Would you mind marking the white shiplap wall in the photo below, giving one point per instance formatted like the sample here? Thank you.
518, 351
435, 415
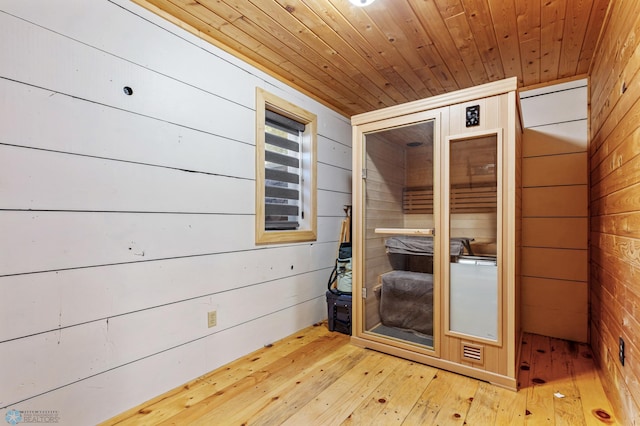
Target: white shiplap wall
125, 219
555, 211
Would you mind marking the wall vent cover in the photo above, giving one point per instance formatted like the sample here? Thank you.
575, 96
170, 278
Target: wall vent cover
473, 353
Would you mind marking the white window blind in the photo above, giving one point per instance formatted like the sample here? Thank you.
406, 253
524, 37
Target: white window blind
283, 172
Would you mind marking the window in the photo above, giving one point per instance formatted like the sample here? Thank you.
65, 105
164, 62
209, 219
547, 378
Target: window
285, 171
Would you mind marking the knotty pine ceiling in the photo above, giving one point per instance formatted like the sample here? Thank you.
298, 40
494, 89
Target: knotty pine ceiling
356, 60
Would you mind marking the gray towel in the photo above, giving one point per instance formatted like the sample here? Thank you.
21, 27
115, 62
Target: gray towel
422, 246
406, 301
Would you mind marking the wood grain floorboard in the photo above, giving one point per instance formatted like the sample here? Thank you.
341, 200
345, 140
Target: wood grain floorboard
316, 377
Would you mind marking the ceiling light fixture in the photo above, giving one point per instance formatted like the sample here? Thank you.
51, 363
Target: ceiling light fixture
361, 3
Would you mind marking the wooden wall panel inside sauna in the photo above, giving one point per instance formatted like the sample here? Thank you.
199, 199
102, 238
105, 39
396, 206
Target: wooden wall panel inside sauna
385, 165
473, 183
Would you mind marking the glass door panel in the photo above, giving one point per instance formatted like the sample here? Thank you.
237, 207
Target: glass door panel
398, 273
474, 180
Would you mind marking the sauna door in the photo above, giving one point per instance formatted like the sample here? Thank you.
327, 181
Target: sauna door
399, 281
473, 179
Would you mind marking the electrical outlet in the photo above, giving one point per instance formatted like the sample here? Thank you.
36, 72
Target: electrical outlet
621, 351
212, 319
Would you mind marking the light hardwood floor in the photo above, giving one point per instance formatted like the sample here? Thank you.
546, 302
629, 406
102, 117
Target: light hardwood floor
316, 377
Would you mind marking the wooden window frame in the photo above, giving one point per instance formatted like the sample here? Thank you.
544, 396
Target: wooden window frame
307, 231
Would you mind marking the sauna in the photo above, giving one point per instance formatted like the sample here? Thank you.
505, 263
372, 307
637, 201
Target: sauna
437, 231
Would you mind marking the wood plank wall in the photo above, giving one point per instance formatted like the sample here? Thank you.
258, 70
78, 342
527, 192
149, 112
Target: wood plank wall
125, 219
555, 211
614, 154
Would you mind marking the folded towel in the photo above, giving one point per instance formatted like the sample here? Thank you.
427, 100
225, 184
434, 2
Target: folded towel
406, 301
422, 246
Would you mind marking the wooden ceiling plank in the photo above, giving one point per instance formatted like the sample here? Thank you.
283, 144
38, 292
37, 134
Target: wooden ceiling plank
358, 67
426, 74
449, 8
503, 15
575, 26
479, 16
435, 68
528, 21
346, 29
463, 38
368, 37
530, 51
370, 82
343, 89
392, 21
596, 20
201, 24
255, 22
552, 18
439, 71
453, 13
346, 24
451, 71
398, 77
438, 64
